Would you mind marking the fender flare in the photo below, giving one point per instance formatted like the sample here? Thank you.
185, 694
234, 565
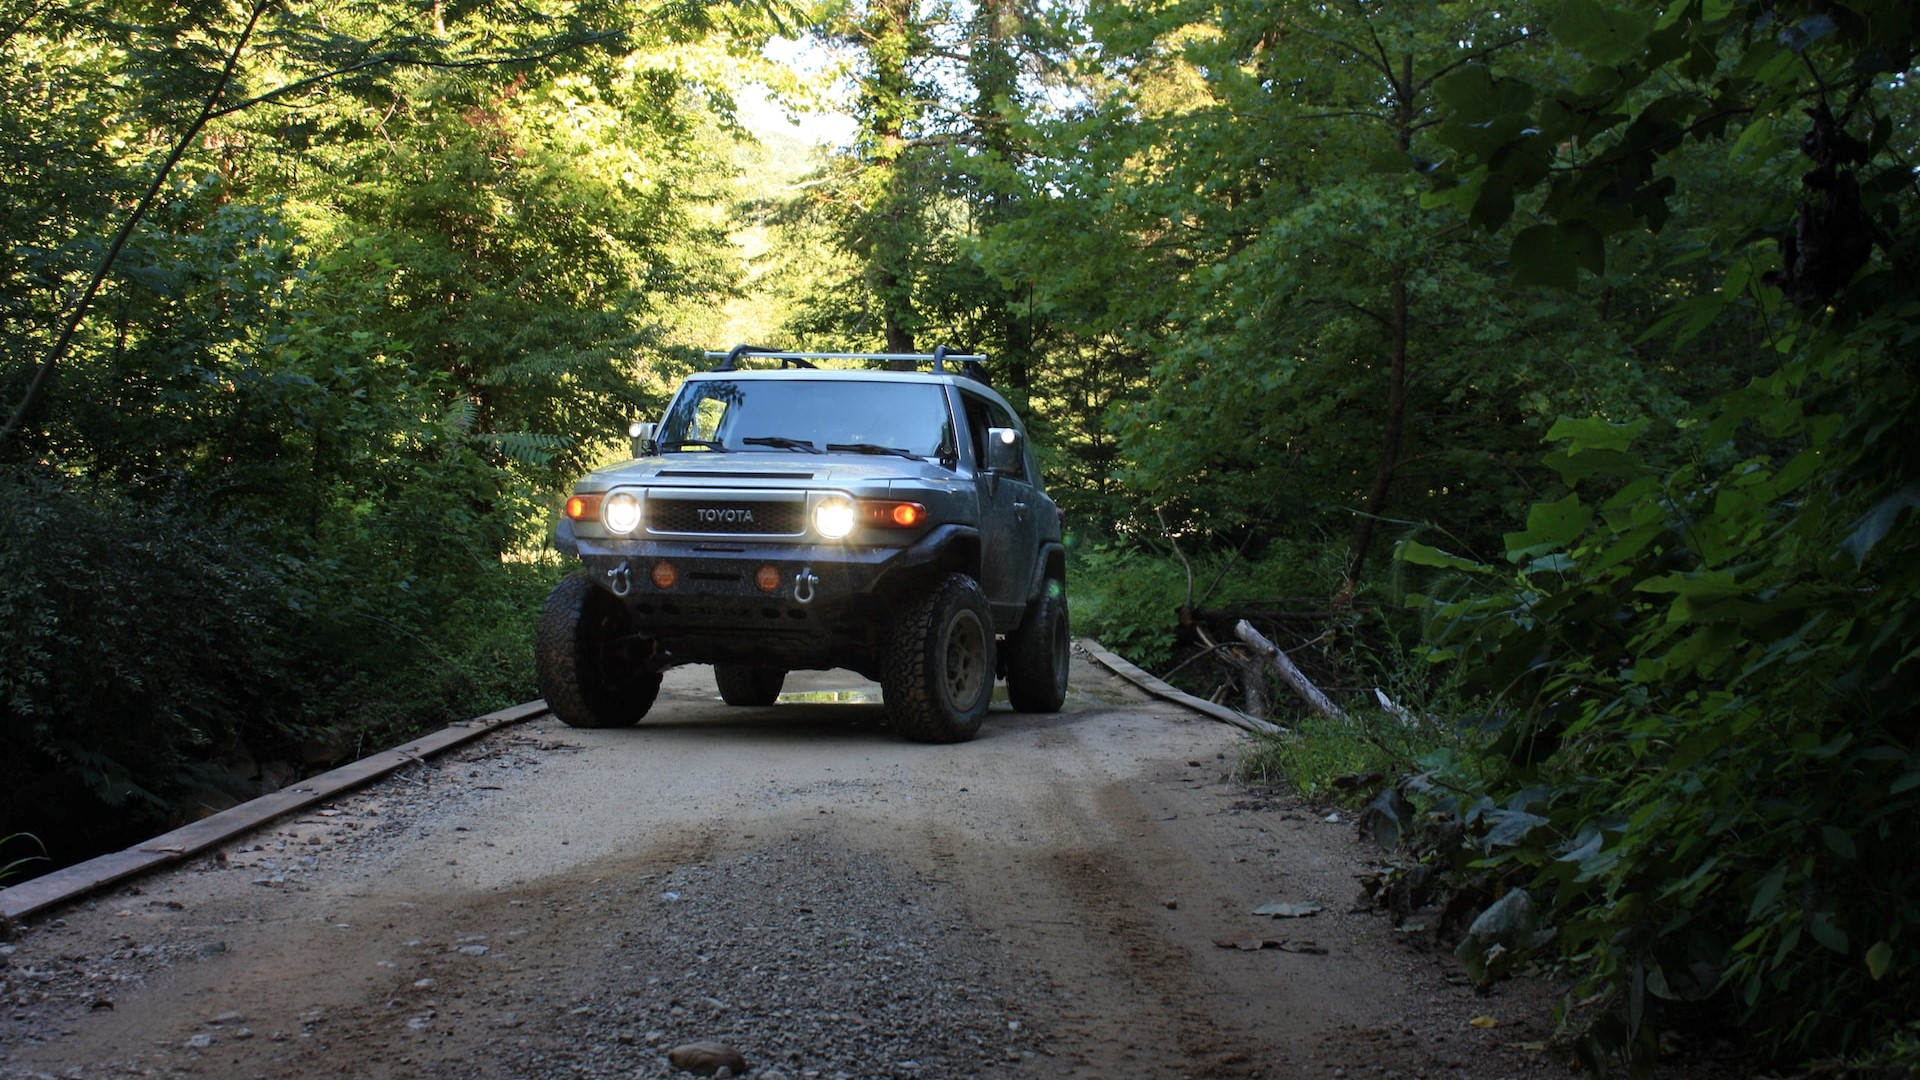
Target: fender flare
1052, 563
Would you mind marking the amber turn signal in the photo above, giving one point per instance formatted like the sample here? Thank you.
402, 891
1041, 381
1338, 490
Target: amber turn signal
894, 515
584, 508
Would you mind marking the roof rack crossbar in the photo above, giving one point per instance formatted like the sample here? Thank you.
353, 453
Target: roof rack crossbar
730, 359
969, 365
736, 353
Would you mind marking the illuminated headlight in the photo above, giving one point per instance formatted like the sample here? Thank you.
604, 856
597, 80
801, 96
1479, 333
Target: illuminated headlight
833, 518
621, 512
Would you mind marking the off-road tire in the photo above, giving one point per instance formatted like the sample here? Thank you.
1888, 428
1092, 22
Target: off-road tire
748, 687
937, 676
591, 667
1038, 654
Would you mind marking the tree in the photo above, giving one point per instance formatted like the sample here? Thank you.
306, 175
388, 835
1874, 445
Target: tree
309, 308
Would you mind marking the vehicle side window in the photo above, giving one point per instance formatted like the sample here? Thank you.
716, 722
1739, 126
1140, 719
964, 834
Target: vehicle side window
977, 424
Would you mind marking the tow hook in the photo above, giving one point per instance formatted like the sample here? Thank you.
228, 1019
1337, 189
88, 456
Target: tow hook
803, 583
620, 579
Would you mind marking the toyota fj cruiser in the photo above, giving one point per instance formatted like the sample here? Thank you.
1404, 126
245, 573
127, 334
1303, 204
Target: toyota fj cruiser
803, 516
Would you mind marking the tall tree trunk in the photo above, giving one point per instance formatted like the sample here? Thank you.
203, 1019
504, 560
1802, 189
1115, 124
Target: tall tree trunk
993, 69
889, 107
1393, 427
1399, 320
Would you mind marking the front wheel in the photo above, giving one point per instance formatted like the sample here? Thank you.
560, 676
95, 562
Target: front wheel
751, 687
1038, 654
591, 664
937, 679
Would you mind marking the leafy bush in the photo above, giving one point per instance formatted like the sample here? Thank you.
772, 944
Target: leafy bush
143, 644
1129, 599
1702, 674
135, 642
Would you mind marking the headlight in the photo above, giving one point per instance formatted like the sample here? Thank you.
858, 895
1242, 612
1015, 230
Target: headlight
621, 512
833, 518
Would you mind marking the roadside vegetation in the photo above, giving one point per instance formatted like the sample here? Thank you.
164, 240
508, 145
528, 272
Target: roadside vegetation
1542, 369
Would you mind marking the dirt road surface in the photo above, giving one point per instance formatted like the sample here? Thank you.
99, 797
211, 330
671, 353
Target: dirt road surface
794, 881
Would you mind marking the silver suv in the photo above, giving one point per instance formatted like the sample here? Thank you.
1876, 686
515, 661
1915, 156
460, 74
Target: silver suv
796, 516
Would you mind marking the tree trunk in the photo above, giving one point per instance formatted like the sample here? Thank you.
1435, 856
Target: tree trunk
889, 107
1399, 320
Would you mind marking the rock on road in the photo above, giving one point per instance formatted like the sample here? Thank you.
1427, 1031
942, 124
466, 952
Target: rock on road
794, 882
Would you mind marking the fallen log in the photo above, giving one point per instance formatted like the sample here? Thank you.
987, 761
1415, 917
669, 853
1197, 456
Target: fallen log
1302, 686
1160, 689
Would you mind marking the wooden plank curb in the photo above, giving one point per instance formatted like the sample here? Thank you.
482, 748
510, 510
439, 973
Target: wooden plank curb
70, 883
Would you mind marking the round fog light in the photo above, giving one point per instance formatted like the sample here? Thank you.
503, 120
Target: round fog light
665, 575
767, 579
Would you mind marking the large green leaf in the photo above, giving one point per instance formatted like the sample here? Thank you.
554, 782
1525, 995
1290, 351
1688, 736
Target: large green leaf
1602, 32
1474, 93
1550, 526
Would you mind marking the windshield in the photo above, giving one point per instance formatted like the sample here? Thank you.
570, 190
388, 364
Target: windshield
800, 416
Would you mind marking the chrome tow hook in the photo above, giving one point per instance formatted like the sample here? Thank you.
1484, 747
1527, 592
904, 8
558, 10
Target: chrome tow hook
620, 580
803, 583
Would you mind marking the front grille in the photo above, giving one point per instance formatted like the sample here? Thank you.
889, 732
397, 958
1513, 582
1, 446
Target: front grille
718, 515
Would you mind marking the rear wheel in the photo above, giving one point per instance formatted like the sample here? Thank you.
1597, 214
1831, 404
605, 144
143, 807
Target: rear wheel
748, 686
1038, 654
591, 664
937, 680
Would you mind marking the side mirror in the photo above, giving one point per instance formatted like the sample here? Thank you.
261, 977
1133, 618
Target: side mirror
1006, 452
642, 436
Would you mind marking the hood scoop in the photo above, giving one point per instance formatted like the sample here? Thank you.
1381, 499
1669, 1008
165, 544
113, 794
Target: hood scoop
712, 474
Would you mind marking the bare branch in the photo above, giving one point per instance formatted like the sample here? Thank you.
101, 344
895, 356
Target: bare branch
78, 314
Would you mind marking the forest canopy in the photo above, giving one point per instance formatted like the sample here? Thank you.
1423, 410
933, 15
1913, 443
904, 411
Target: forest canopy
1551, 363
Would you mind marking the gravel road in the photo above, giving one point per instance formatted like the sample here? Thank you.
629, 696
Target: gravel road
795, 882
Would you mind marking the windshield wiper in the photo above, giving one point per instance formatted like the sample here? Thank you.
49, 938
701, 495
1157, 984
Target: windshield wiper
871, 448
704, 444
781, 442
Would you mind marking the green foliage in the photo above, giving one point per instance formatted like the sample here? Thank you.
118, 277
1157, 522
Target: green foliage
1130, 599
133, 643
1700, 658
9, 869
1712, 691
1322, 757
308, 317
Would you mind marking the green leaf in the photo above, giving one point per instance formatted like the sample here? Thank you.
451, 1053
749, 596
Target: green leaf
1549, 526
1475, 93
1826, 932
1583, 244
1838, 840
1879, 960
1699, 585
1595, 433
1601, 32
1767, 892
1536, 259
1418, 554
1494, 205
1876, 523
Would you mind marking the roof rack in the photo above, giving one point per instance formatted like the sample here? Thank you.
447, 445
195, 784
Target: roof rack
971, 365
